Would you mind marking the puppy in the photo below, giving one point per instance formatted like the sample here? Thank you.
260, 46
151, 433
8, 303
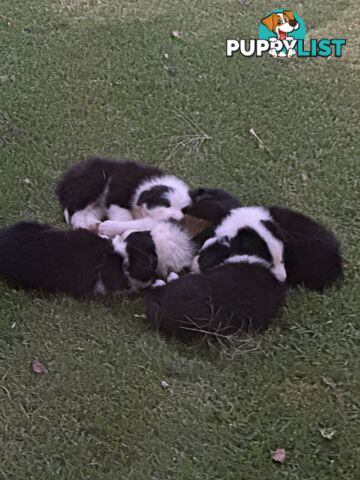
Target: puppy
232, 294
37, 256
311, 251
119, 190
282, 24
175, 249
244, 231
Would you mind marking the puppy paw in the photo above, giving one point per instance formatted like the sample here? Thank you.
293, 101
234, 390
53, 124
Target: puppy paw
158, 283
109, 228
119, 245
171, 277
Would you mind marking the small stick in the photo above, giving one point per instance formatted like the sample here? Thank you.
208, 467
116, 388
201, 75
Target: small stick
261, 143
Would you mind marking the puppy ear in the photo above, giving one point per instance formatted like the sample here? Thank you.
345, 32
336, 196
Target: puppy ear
144, 197
154, 196
196, 194
142, 257
270, 22
213, 256
289, 14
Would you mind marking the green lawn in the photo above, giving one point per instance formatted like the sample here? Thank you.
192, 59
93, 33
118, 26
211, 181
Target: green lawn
105, 76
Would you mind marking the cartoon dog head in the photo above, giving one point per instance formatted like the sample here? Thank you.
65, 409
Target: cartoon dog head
281, 23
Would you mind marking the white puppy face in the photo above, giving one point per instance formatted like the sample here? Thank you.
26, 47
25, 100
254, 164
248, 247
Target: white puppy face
162, 198
281, 23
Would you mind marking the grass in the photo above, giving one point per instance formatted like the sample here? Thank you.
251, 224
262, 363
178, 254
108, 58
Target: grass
85, 76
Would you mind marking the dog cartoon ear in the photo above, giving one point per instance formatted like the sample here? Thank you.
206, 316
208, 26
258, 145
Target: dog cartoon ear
270, 22
289, 14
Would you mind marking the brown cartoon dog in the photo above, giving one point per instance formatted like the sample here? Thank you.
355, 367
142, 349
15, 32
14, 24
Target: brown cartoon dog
281, 24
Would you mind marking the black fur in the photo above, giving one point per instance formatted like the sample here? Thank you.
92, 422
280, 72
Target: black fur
211, 204
229, 299
214, 255
312, 252
142, 257
248, 242
37, 256
245, 242
155, 197
85, 182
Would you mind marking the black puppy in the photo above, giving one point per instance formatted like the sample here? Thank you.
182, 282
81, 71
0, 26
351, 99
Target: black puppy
79, 263
212, 205
312, 252
232, 298
232, 293
119, 190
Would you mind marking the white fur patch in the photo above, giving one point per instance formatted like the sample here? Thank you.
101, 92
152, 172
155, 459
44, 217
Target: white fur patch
174, 248
253, 217
178, 197
209, 242
119, 246
111, 228
247, 259
99, 287
172, 277
88, 218
158, 283
91, 215
67, 216
242, 217
195, 267
118, 214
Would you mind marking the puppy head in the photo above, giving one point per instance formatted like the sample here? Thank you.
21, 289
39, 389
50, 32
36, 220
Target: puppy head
281, 23
161, 198
212, 254
141, 259
211, 204
247, 231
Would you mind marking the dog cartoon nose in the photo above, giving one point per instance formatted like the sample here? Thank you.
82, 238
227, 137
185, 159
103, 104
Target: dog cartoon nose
293, 23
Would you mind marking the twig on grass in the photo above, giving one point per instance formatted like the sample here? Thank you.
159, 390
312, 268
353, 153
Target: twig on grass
261, 143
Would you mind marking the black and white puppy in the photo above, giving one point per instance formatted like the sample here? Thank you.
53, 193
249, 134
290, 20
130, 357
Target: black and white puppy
80, 263
119, 190
312, 252
232, 293
244, 231
77, 262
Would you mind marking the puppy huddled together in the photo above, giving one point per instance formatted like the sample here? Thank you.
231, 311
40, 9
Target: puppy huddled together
129, 235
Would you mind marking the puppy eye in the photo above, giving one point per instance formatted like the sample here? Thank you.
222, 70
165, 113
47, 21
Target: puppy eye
279, 21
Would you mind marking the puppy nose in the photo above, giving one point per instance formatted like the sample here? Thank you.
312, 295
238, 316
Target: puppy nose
293, 23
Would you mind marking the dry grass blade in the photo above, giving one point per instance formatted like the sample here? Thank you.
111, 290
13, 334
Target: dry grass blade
190, 142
